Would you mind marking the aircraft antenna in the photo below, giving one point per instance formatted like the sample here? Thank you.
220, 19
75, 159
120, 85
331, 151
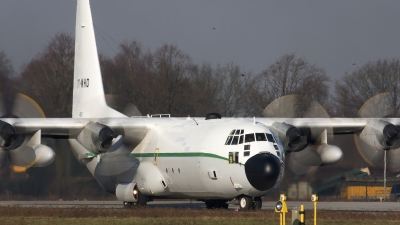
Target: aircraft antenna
195, 121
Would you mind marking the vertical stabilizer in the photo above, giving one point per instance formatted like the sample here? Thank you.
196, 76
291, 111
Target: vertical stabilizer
88, 95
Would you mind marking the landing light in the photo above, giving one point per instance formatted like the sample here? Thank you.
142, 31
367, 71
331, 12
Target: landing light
314, 198
279, 206
135, 192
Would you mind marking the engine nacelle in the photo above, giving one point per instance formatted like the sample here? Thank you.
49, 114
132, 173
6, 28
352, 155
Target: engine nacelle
291, 137
127, 192
330, 154
96, 137
379, 134
7, 134
32, 156
312, 157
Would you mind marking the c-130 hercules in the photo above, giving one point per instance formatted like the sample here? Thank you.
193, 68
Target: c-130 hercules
212, 159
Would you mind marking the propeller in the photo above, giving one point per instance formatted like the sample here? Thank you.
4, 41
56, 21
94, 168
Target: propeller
129, 110
379, 106
292, 106
15, 105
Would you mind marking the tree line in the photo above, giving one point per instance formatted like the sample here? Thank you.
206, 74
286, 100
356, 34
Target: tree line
167, 81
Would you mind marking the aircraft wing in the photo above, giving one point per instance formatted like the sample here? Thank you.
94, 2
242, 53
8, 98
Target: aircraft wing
61, 127
338, 125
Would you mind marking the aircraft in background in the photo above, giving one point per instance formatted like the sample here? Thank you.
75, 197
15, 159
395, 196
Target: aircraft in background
212, 159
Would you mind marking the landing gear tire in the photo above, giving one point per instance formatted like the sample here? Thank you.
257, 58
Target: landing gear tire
257, 203
127, 205
216, 204
245, 203
142, 200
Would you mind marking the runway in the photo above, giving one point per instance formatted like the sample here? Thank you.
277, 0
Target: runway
328, 206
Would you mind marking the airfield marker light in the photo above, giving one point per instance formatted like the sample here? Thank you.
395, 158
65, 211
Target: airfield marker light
302, 215
314, 198
281, 208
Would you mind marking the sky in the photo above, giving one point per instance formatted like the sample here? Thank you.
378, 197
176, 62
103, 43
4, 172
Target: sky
338, 36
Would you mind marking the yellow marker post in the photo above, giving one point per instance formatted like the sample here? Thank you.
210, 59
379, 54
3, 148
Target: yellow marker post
314, 198
281, 208
302, 215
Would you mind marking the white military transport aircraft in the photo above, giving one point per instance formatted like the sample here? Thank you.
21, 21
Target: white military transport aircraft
212, 159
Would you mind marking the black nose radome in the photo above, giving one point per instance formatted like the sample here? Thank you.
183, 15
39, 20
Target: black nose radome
262, 171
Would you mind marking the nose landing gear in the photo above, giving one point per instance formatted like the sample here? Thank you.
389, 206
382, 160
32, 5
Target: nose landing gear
246, 203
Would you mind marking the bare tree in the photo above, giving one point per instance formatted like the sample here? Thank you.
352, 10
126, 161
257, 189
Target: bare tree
355, 88
48, 77
170, 89
5, 69
291, 75
7, 87
232, 88
205, 90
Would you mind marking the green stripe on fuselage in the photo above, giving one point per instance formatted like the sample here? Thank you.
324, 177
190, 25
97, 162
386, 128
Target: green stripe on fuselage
178, 154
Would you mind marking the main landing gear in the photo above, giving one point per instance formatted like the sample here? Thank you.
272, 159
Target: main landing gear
245, 203
216, 204
141, 202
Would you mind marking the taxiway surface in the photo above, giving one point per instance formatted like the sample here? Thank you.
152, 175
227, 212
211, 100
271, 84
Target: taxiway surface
334, 206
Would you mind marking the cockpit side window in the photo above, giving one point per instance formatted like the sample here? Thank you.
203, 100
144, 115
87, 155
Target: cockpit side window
249, 138
241, 139
270, 138
228, 140
260, 137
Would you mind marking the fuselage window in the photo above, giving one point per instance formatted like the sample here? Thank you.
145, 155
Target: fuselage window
260, 137
270, 138
249, 138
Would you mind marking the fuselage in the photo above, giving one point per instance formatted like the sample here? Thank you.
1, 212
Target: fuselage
197, 158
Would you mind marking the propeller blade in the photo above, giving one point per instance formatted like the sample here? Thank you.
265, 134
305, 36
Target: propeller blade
379, 106
129, 110
291, 106
16, 105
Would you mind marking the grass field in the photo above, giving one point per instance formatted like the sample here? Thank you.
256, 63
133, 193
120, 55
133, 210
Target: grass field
108, 216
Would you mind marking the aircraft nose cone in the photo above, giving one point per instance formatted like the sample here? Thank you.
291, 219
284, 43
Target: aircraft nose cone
262, 171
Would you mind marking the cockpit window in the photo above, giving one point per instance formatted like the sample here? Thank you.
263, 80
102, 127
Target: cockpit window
228, 140
234, 136
270, 138
241, 139
235, 140
260, 137
249, 138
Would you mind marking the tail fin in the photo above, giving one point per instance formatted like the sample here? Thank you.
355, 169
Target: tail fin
88, 96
